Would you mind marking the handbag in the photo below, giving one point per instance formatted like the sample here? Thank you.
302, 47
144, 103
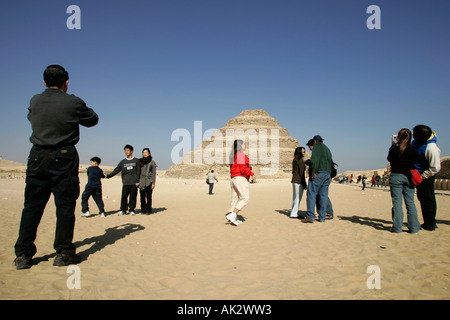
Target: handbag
416, 177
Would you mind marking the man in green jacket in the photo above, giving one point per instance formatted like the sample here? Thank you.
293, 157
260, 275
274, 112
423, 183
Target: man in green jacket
320, 179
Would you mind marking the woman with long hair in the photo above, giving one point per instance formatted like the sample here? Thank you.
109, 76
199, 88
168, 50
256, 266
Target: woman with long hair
402, 157
147, 181
240, 173
298, 180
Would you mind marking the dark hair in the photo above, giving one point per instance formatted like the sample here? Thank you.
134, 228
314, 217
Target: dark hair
310, 142
150, 156
404, 139
422, 132
96, 159
128, 147
55, 76
298, 152
237, 146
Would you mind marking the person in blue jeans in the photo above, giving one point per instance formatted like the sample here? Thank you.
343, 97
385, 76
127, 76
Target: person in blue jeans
320, 179
298, 180
401, 158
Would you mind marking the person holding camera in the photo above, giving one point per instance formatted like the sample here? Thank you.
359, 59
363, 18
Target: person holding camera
52, 167
401, 157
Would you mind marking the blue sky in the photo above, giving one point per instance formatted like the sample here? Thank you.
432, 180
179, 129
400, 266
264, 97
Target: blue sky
150, 67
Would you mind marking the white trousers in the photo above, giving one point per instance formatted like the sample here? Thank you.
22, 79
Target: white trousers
240, 193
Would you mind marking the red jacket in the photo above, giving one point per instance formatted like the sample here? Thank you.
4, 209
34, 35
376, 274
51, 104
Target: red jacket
241, 166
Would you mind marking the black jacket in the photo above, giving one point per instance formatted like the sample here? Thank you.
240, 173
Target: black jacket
55, 117
405, 162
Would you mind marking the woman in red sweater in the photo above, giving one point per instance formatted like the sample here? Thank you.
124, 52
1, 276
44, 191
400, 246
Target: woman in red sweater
240, 173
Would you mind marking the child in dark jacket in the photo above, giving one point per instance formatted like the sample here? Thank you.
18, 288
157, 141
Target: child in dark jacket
93, 188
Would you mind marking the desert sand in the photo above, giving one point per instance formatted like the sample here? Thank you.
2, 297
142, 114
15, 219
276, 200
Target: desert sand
187, 250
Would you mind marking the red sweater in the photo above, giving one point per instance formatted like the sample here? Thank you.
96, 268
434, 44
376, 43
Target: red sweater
241, 166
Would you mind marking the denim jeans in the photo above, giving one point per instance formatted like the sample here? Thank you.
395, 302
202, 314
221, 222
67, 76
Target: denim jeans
297, 190
401, 188
318, 186
211, 186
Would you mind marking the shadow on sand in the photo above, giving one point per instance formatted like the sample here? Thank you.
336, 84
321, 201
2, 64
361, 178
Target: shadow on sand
99, 242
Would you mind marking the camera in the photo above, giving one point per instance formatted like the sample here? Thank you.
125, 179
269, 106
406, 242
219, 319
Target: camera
394, 139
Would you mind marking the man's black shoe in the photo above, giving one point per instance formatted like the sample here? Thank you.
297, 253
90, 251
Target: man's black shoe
62, 260
22, 262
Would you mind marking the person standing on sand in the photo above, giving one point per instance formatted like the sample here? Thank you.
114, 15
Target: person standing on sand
93, 188
147, 181
211, 177
240, 173
320, 179
52, 168
298, 180
364, 178
401, 158
130, 168
428, 164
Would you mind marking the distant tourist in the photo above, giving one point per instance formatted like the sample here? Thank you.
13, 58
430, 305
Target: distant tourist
93, 188
55, 117
240, 173
298, 180
384, 180
401, 158
130, 168
364, 178
428, 164
147, 181
373, 181
211, 179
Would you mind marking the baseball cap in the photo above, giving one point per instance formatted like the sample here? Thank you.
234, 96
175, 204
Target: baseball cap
317, 138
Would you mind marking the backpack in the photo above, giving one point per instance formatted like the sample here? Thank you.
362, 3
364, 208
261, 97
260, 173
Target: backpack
333, 169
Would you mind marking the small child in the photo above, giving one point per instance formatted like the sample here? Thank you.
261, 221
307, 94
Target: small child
93, 188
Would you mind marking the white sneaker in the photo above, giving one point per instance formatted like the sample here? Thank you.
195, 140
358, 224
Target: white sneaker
232, 217
121, 213
132, 213
102, 214
85, 214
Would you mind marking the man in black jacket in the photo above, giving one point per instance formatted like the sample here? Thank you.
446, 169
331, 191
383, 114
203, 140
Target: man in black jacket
52, 167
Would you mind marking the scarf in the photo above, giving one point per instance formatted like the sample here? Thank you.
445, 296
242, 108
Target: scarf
145, 161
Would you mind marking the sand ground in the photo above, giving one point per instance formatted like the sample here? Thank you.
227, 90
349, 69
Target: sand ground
187, 250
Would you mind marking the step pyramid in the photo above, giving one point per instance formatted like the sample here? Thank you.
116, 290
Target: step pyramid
268, 145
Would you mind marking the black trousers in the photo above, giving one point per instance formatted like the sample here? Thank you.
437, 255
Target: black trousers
96, 194
427, 199
128, 191
146, 198
50, 171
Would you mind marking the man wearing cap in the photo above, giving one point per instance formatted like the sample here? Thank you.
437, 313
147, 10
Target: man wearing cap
320, 179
